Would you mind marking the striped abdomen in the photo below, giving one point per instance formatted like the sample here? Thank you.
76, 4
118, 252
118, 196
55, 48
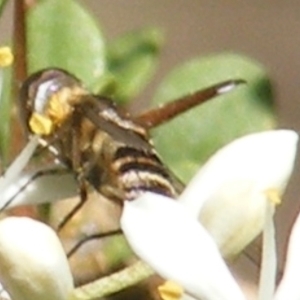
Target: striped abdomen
139, 171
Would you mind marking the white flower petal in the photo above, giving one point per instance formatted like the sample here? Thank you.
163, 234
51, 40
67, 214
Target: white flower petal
187, 297
33, 264
177, 247
288, 288
228, 194
3, 294
265, 159
43, 189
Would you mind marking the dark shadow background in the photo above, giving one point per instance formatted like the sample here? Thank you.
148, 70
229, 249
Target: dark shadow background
265, 30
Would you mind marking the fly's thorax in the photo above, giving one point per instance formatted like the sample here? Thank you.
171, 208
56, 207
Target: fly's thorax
123, 121
80, 143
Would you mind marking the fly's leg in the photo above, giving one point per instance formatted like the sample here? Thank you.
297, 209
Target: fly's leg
83, 194
92, 237
79, 170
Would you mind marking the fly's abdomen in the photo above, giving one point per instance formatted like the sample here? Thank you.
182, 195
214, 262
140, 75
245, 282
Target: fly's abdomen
139, 171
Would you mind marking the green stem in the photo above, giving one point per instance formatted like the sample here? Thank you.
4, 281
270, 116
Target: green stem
113, 283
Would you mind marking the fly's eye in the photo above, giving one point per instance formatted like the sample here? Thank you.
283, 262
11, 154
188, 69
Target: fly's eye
45, 100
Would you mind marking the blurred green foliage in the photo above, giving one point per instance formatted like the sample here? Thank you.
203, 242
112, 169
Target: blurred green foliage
132, 60
2, 5
63, 34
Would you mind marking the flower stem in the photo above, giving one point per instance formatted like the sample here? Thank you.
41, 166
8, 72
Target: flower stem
113, 283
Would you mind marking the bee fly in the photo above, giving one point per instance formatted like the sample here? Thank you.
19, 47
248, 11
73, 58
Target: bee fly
103, 147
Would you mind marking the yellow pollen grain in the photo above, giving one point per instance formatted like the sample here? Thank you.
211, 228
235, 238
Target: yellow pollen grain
40, 125
170, 291
273, 196
6, 56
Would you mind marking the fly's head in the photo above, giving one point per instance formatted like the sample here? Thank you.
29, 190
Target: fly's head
47, 100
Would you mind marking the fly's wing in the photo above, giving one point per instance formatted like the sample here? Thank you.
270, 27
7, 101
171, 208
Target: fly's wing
98, 109
107, 119
162, 114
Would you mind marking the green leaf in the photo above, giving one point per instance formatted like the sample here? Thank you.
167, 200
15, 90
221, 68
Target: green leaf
62, 34
132, 60
186, 142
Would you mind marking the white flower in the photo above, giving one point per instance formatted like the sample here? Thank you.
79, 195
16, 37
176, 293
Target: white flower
233, 186
33, 264
166, 234
175, 245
